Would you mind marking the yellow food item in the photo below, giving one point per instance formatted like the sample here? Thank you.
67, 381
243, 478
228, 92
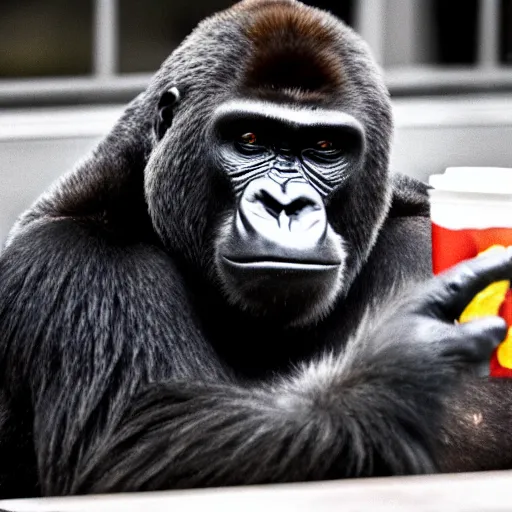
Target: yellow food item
488, 301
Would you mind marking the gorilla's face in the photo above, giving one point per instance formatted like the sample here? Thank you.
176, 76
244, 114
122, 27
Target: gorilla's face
277, 251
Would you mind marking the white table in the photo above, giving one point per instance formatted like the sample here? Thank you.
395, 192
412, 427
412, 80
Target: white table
484, 492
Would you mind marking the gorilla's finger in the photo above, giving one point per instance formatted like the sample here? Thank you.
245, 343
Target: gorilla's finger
449, 293
475, 341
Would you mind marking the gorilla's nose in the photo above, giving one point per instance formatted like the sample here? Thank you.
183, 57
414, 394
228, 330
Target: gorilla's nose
287, 214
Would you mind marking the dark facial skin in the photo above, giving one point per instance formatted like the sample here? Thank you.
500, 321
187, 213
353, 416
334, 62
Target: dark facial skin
278, 245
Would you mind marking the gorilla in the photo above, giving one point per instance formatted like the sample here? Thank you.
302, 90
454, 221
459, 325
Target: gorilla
233, 289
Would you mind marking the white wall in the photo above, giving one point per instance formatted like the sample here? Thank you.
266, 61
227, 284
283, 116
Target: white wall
434, 133
431, 134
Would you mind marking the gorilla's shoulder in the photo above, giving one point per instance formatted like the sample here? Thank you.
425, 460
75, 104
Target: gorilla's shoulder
410, 197
404, 242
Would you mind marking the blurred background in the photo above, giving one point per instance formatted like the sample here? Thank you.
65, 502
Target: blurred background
67, 69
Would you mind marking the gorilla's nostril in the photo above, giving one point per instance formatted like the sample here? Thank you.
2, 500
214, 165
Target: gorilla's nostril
300, 206
270, 203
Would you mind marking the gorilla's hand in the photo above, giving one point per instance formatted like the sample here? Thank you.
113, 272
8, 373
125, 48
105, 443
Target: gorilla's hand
431, 314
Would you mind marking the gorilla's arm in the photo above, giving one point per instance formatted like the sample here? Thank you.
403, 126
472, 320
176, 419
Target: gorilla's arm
84, 320
374, 410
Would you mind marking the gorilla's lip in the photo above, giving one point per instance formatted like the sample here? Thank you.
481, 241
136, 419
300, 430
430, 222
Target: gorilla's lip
279, 262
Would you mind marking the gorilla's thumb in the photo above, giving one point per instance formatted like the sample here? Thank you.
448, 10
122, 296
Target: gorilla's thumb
487, 333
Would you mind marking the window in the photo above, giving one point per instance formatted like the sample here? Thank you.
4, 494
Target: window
56, 51
45, 38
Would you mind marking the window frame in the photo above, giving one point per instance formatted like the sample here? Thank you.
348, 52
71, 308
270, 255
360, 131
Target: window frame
106, 84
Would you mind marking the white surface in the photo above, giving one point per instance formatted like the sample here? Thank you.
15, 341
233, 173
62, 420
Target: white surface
488, 180
470, 210
489, 492
56, 123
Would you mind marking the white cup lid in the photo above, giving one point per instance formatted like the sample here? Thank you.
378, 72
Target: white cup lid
486, 180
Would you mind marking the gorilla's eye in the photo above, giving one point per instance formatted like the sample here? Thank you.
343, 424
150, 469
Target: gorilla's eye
248, 138
324, 145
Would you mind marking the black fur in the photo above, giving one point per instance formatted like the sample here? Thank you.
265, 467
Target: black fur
124, 368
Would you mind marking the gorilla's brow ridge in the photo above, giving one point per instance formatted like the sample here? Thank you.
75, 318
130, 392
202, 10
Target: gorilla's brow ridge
296, 116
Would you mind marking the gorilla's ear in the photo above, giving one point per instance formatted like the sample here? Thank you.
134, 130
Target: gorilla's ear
165, 111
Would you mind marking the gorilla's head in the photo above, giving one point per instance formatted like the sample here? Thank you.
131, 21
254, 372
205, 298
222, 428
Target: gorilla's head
269, 169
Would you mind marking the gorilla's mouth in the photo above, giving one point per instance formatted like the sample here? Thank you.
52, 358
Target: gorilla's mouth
284, 286
279, 263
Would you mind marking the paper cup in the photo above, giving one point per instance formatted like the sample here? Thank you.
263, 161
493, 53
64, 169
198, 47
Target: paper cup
471, 212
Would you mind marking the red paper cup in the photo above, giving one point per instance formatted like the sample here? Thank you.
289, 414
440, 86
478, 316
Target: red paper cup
471, 211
